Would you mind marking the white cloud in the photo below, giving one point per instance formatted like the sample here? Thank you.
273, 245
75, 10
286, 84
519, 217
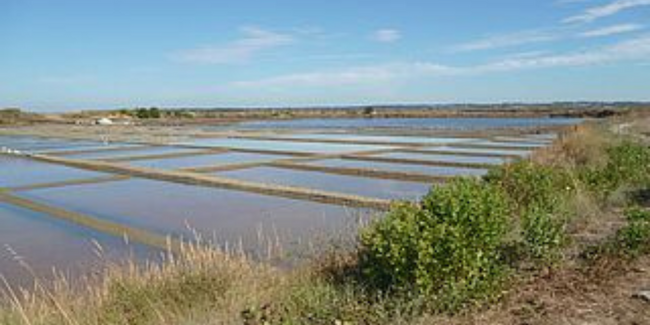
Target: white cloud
387, 35
253, 41
378, 74
507, 40
609, 9
612, 30
634, 49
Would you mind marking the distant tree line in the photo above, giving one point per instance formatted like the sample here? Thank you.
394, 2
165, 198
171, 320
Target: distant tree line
155, 113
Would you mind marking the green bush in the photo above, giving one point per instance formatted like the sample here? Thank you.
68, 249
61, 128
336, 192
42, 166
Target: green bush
634, 239
529, 184
447, 248
544, 233
628, 165
144, 113
629, 242
540, 195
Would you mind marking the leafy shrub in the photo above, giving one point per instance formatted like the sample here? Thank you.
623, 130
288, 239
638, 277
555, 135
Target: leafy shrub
628, 164
544, 233
540, 195
634, 239
446, 248
530, 184
631, 241
144, 113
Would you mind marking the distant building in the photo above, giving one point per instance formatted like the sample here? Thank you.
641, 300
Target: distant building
104, 121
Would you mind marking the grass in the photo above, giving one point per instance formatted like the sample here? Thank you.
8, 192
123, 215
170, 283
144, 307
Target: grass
474, 249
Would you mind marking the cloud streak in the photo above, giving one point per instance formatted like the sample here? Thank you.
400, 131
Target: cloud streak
253, 41
610, 9
387, 35
634, 49
612, 30
506, 40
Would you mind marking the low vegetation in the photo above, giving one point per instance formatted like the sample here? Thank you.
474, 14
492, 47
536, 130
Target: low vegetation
446, 250
11, 116
458, 252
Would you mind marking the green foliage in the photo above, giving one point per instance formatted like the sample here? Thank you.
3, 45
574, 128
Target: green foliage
629, 242
446, 248
634, 239
144, 113
181, 114
318, 302
529, 184
368, 110
540, 195
125, 111
11, 112
544, 234
10, 115
628, 165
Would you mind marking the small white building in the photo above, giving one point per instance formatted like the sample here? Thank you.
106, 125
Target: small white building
104, 121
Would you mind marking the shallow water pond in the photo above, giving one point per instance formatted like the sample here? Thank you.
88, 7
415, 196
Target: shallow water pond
444, 158
44, 243
17, 171
302, 147
479, 151
409, 123
130, 152
179, 210
225, 158
377, 138
523, 145
29, 144
394, 167
378, 188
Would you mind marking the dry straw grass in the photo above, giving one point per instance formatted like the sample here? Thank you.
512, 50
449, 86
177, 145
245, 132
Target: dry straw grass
197, 285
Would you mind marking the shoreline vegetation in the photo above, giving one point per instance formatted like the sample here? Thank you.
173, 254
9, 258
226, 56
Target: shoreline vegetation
192, 116
562, 237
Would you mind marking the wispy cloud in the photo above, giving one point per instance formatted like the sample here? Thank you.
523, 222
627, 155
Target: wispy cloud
635, 49
612, 30
387, 35
378, 74
506, 40
253, 41
609, 9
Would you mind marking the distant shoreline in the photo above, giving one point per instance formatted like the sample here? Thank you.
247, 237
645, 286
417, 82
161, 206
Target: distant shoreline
202, 116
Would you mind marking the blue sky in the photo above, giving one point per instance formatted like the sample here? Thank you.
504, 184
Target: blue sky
84, 54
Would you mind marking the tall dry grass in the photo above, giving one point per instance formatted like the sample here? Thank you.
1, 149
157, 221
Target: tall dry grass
196, 285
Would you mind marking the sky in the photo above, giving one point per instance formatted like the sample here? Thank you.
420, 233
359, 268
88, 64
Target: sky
98, 54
